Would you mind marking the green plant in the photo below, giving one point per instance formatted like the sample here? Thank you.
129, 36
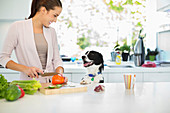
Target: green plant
125, 48
141, 34
83, 42
154, 53
117, 47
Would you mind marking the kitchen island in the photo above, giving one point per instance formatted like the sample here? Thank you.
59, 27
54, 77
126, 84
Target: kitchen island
147, 97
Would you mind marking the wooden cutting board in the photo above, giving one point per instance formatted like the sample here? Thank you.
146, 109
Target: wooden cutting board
65, 89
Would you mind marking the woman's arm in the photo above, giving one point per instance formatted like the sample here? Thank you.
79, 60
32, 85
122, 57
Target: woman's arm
10, 43
57, 61
30, 71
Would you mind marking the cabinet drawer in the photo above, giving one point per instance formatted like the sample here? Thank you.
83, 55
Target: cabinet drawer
76, 77
11, 77
118, 77
156, 77
68, 75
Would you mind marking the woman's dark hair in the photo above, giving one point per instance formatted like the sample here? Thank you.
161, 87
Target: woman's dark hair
48, 4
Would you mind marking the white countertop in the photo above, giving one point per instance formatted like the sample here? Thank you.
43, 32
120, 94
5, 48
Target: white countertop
73, 67
145, 98
78, 68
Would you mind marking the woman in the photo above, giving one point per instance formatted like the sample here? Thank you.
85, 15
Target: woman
34, 42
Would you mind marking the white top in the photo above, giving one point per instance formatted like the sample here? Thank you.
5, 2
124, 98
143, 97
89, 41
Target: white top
145, 98
20, 38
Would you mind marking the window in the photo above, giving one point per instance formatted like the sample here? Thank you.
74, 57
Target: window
97, 25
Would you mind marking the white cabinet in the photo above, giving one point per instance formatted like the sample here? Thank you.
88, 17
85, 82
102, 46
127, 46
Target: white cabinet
105, 76
69, 76
156, 77
163, 5
118, 77
11, 77
139, 77
110, 76
76, 77
115, 77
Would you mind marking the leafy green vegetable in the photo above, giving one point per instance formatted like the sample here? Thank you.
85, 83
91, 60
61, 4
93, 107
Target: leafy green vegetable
29, 86
3, 86
30, 92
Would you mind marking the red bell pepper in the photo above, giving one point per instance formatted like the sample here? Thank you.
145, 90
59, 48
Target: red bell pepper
22, 91
57, 79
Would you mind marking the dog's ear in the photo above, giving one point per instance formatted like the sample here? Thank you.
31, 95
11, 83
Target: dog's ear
101, 68
86, 52
102, 61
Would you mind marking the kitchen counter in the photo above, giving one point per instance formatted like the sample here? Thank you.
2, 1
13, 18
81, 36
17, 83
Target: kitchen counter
80, 69
112, 72
70, 67
145, 98
112, 67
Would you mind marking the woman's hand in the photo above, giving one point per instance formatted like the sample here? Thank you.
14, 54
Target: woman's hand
32, 71
61, 71
65, 79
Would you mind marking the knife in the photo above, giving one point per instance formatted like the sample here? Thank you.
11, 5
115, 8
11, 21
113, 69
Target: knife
48, 74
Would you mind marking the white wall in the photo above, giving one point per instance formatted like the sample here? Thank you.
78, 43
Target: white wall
15, 9
154, 20
151, 23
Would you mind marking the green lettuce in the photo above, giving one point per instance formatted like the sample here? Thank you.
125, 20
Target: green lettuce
3, 86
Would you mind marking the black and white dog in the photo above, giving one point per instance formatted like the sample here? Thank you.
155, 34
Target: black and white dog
94, 63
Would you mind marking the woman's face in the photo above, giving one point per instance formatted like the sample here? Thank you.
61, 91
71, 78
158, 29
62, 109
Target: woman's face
51, 16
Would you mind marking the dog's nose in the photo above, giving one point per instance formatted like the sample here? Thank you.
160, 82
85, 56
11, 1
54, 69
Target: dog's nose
83, 57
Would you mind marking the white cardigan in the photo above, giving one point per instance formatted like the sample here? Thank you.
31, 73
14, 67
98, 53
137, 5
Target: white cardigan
20, 38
